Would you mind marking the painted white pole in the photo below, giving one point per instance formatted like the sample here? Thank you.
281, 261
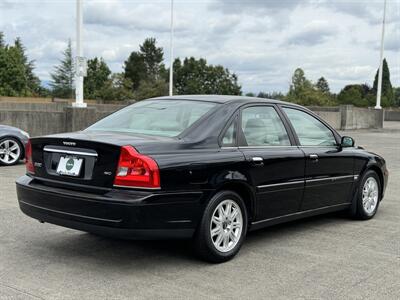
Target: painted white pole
171, 52
79, 54
379, 91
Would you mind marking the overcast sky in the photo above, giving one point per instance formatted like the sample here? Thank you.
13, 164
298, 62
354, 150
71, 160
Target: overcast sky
262, 41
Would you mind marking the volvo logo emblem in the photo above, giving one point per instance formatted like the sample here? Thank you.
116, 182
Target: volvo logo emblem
69, 143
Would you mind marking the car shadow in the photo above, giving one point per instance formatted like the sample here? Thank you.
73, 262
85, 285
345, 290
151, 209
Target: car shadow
84, 248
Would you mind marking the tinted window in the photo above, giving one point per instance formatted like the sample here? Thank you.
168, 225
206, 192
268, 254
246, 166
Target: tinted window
155, 117
310, 131
229, 138
262, 126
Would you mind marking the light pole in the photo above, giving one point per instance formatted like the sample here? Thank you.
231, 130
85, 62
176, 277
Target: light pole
379, 91
80, 63
171, 52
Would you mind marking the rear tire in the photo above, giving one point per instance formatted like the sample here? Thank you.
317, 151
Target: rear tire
222, 229
368, 196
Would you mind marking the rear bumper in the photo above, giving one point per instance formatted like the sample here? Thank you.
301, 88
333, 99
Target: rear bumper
118, 213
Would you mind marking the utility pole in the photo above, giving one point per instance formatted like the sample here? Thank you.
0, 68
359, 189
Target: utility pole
171, 52
80, 63
379, 92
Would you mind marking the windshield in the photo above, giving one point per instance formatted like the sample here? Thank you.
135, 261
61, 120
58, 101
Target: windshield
155, 117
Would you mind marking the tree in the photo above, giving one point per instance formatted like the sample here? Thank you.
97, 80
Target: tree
97, 75
16, 71
273, 95
194, 76
303, 92
145, 64
63, 76
356, 94
396, 96
322, 85
116, 88
387, 89
150, 89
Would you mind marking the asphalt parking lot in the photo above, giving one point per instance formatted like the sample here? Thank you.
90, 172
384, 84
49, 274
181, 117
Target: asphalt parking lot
330, 257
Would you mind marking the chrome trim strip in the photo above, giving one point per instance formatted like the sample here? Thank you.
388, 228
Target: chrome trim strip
355, 177
49, 149
267, 147
278, 184
300, 213
330, 178
136, 188
307, 180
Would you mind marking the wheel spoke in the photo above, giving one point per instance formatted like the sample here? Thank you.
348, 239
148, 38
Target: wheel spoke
232, 236
219, 240
233, 214
215, 231
226, 240
15, 147
13, 155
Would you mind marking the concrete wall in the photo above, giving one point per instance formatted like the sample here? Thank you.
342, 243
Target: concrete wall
392, 114
55, 117
360, 118
48, 118
332, 115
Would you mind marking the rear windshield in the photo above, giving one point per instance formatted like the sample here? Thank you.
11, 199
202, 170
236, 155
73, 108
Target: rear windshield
155, 117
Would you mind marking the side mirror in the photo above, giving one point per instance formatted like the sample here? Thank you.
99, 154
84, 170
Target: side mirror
347, 142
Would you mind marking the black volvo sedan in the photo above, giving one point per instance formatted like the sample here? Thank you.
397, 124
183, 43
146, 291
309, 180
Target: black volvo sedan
209, 168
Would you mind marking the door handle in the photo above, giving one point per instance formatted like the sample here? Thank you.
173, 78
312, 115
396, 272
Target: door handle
257, 161
314, 157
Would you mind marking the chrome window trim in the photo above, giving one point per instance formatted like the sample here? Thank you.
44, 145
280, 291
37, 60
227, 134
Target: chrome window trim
50, 149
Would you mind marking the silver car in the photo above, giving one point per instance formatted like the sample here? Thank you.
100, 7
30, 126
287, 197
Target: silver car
12, 145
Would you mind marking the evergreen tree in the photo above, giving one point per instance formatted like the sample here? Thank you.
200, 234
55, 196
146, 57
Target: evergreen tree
97, 75
63, 75
322, 85
16, 71
145, 64
387, 89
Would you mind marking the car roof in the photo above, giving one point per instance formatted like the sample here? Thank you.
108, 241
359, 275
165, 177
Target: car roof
220, 99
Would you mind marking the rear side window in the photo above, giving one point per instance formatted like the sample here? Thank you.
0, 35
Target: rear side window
262, 126
229, 138
155, 117
309, 130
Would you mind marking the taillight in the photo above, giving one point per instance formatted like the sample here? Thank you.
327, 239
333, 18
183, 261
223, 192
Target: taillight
136, 170
28, 158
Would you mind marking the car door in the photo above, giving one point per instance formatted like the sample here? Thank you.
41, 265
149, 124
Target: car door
329, 167
274, 164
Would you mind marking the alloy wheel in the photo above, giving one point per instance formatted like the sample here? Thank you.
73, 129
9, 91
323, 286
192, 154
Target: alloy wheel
370, 195
226, 225
10, 151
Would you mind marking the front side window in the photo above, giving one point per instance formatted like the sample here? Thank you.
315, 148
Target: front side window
262, 126
310, 131
155, 117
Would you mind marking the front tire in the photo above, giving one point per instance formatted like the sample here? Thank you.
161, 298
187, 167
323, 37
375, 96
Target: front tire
369, 196
222, 229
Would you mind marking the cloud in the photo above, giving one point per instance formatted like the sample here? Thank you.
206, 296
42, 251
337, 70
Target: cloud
261, 41
313, 33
